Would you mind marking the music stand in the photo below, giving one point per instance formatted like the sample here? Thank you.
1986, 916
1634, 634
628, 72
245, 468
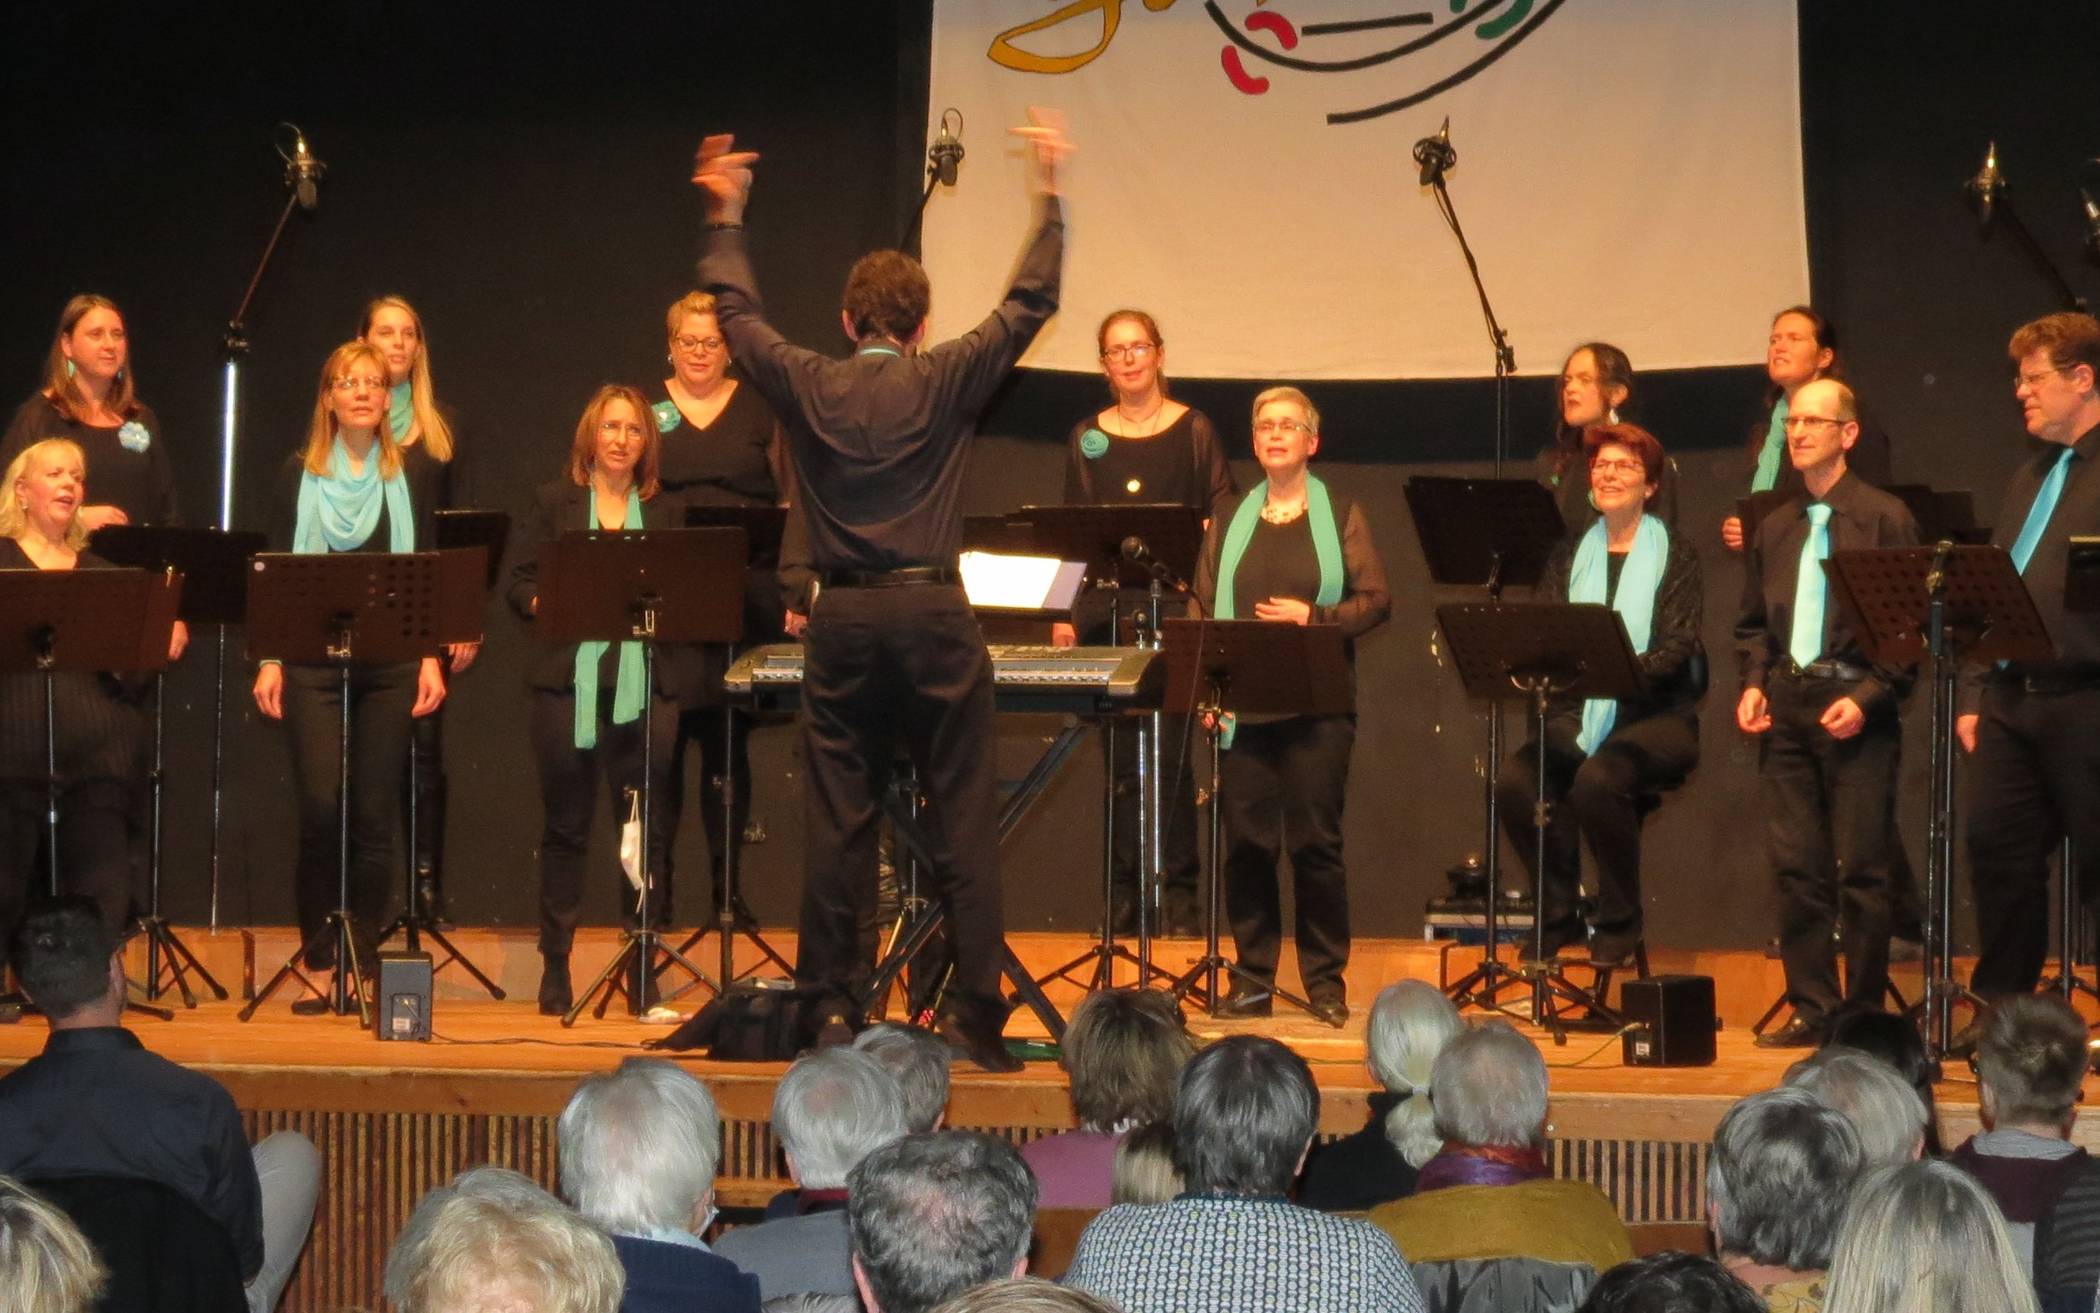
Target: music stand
1487, 534
341, 609
1218, 668
463, 579
1956, 605
213, 564
2081, 596
65, 621
1538, 652
1941, 515
650, 586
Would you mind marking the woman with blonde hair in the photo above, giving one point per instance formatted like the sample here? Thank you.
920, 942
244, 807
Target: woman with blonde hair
1925, 1238
1409, 1023
46, 1264
348, 490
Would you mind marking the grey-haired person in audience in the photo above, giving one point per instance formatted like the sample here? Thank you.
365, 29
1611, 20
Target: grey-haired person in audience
1885, 1111
919, 1059
1410, 1021
935, 1215
1777, 1182
494, 1242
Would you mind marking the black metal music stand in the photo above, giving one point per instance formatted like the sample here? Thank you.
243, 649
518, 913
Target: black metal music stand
341, 609
1958, 606
1488, 534
62, 621
1538, 652
650, 586
1219, 668
763, 528
213, 564
2081, 596
464, 575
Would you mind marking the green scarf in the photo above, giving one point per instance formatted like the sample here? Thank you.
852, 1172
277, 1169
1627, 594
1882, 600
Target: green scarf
627, 685
1772, 453
1327, 545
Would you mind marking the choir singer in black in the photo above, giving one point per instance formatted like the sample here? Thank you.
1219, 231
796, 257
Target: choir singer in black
1828, 720
892, 649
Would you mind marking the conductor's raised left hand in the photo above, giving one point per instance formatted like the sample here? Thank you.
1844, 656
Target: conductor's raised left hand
724, 174
1045, 134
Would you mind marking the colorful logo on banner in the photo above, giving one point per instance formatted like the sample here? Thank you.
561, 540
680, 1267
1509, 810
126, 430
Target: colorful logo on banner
1408, 47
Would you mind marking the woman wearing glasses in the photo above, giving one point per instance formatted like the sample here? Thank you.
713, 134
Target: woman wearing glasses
1603, 756
586, 716
348, 491
1290, 550
1144, 449
721, 445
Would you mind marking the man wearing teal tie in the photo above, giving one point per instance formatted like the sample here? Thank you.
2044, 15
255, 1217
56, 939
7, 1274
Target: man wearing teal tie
1830, 741
2034, 729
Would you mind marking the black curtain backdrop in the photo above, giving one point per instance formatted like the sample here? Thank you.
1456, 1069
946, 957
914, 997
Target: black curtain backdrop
519, 174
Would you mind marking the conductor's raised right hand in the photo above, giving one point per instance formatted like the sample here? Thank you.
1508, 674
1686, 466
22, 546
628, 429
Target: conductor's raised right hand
1045, 134
725, 176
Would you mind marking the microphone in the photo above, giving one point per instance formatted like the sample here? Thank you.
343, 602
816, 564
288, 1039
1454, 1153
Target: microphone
1936, 576
2092, 223
944, 157
302, 172
1135, 552
1987, 183
1435, 154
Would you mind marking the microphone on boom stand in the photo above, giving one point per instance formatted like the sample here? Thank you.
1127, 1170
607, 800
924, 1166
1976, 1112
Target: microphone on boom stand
1436, 155
1986, 185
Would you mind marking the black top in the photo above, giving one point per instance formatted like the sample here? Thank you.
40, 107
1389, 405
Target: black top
1183, 465
879, 438
2077, 512
1673, 629
1361, 1170
139, 483
97, 729
742, 460
96, 1103
452, 485
663, 1277
1861, 518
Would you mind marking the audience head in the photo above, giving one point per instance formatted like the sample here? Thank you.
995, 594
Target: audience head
43, 490
2031, 1061
1023, 1295
831, 1110
1145, 1171
1885, 1112
1244, 1116
1925, 1235
639, 1149
1894, 1040
1409, 1023
1123, 1052
46, 1264
67, 962
1781, 1170
887, 295
1490, 1087
1671, 1282
919, 1061
496, 1246
933, 1215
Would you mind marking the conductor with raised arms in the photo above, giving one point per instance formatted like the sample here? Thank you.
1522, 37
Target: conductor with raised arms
893, 649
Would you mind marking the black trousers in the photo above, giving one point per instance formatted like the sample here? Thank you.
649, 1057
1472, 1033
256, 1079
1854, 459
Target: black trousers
381, 698
884, 665
1283, 783
94, 856
1595, 798
2035, 775
703, 726
569, 799
1830, 835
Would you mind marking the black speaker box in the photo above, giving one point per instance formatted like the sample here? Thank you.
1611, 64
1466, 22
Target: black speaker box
403, 996
1672, 1019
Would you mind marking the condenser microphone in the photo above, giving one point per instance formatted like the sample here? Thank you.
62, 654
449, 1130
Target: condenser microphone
1987, 183
1435, 154
2092, 223
303, 173
944, 157
1135, 552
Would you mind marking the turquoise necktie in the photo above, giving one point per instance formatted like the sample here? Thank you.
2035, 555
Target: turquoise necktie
1810, 587
2039, 513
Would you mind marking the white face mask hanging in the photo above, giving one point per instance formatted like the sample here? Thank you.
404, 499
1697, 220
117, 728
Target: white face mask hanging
631, 845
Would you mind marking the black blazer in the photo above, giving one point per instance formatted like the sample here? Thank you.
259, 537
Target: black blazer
558, 507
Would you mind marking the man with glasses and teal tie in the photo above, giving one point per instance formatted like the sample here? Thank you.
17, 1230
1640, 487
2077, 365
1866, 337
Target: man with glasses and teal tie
1831, 741
2034, 729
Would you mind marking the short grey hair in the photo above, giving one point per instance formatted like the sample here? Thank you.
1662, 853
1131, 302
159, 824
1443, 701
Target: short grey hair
919, 1060
639, 1147
1285, 392
511, 1189
1779, 1177
832, 1109
2032, 1059
472, 1241
1410, 1023
933, 1215
1244, 1113
1490, 1087
1885, 1111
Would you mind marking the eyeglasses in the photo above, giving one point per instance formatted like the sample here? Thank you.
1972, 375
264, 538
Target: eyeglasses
614, 428
2034, 380
1128, 351
1807, 421
1287, 427
1617, 467
689, 343
360, 385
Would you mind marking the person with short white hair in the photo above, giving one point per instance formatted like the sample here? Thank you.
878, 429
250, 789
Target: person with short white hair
832, 1109
1410, 1022
501, 1246
639, 1149
1777, 1183
919, 1059
1884, 1110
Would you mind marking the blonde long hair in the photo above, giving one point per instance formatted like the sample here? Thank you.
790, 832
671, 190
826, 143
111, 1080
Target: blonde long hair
429, 428
320, 431
62, 390
1925, 1238
46, 1264
583, 448
13, 518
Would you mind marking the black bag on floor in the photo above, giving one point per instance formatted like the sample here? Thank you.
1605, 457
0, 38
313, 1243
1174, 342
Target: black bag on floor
748, 1023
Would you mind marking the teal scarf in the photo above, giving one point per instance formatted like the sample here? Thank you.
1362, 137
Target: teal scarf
627, 684
1327, 548
338, 511
401, 409
1639, 579
1772, 453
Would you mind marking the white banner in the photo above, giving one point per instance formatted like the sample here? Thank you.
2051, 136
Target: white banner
1628, 170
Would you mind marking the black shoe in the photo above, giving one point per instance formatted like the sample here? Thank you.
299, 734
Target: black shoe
312, 1007
976, 1028
1797, 1033
1330, 1008
556, 996
1610, 952
1560, 936
1247, 1001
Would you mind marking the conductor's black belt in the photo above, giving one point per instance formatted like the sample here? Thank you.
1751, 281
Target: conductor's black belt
1843, 671
916, 574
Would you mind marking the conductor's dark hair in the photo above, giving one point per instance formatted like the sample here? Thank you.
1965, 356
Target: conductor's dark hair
887, 295
1671, 1282
1243, 1114
61, 955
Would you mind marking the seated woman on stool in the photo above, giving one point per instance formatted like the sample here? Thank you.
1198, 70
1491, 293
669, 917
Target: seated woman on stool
586, 712
1601, 755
